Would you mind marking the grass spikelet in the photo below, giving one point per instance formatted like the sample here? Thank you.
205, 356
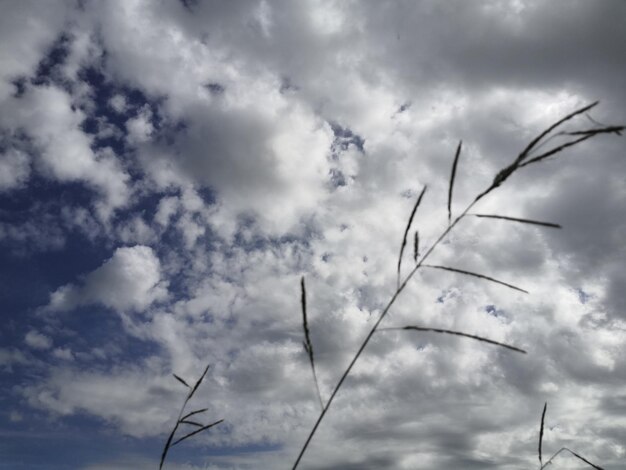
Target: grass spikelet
522, 158
481, 276
308, 346
452, 177
543, 416
587, 134
416, 246
406, 231
516, 219
524, 153
195, 387
181, 381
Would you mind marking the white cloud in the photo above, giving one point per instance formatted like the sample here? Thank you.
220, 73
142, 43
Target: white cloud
140, 127
126, 399
137, 231
26, 30
63, 353
48, 117
11, 357
118, 103
36, 340
14, 169
129, 280
167, 208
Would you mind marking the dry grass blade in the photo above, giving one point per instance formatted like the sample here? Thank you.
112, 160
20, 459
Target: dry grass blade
585, 135
181, 381
556, 150
194, 413
580, 457
481, 276
416, 245
457, 333
522, 156
584, 459
308, 346
195, 387
203, 428
543, 416
521, 159
406, 231
193, 423
452, 177
516, 219
604, 130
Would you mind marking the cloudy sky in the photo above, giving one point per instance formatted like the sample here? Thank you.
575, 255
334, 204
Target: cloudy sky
170, 169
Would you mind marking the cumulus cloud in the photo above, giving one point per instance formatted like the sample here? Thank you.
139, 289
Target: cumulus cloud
10, 358
28, 30
36, 340
63, 353
14, 169
100, 393
48, 117
129, 280
118, 103
140, 127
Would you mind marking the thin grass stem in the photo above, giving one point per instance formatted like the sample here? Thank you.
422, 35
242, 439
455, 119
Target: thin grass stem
500, 177
480, 276
517, 219
369, 336
580, 457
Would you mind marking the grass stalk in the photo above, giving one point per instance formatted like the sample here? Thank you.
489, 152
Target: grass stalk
562, 449
521, 160
184, 420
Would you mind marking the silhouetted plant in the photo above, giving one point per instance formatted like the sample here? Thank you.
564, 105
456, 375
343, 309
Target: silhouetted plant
185, 419
529, 155
562, 449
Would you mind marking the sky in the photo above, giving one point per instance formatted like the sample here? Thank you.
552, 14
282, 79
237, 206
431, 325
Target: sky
169, 170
